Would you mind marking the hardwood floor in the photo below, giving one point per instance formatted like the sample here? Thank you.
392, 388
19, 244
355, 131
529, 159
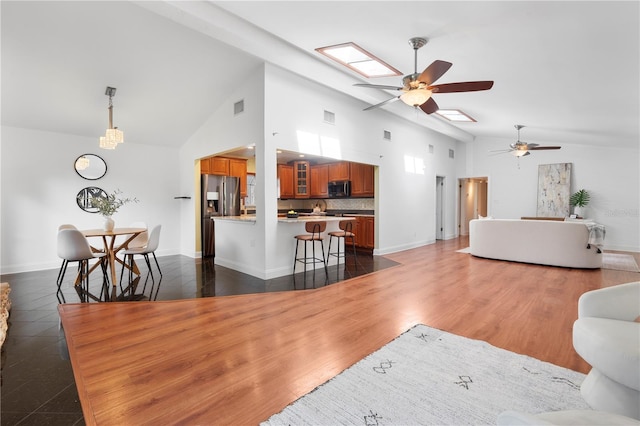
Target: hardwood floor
240, 359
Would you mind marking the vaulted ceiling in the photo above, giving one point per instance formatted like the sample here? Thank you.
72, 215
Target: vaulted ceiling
569, 71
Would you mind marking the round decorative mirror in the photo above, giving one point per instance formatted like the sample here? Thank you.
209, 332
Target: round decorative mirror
86, 196
90, 166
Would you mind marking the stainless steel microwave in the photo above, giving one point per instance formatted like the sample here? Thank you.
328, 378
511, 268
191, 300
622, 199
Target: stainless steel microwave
340, 189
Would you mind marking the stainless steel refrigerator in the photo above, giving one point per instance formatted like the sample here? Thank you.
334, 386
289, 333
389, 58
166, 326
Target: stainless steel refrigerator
220, 197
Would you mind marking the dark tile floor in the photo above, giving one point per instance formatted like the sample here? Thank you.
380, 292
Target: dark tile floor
38, 387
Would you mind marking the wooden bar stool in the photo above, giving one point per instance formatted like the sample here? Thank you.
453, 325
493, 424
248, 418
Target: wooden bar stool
315, 230
346, 231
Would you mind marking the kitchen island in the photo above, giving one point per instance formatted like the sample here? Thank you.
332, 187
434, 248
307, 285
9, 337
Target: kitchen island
236, 246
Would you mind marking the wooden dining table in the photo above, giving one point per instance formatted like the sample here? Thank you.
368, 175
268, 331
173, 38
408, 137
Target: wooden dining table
111, 250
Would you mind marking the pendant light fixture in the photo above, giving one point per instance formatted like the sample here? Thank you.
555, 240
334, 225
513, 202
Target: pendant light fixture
113, 136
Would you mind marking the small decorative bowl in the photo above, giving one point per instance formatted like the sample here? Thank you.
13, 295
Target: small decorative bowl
292, 215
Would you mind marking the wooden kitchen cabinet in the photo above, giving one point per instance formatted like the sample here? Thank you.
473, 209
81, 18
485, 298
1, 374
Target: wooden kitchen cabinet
319, 176
285, 175
301, 179
238, 168
339, 171
362, 180
219, 166
364, 228
214, 166
204, 166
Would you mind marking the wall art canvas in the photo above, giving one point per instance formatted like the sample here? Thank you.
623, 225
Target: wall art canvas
554, 190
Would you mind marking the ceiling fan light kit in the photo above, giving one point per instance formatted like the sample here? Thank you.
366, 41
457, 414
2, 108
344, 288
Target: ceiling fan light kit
416, 97
418, 88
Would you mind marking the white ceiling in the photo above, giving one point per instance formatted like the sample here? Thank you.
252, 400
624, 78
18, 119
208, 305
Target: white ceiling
569, 71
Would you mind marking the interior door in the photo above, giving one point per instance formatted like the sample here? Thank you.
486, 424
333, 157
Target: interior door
473, 200
439, 207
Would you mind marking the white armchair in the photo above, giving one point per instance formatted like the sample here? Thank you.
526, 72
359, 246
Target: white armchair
607, 336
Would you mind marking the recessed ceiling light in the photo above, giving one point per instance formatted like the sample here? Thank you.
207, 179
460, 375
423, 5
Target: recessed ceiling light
455, 115
359, 60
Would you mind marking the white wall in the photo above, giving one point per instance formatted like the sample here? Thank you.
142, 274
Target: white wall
611, 175
405, 213
39, 188
224, 131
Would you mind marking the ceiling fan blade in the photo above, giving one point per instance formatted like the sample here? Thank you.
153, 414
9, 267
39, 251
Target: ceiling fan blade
467, 86
388, 101
434, 72
430, 106
531, 145
378, 86
539, 148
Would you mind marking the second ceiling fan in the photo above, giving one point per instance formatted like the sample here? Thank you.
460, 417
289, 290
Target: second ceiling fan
418, 88
521, 148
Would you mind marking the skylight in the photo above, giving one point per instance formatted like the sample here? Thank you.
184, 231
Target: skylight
455, 115
359, 60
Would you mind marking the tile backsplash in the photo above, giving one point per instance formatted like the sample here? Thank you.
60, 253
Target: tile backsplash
332, 204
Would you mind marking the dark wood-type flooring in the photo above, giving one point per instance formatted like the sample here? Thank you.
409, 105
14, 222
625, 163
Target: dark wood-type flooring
241, 358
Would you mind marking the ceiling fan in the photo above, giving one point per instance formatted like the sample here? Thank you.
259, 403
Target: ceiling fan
418, 88
520, 148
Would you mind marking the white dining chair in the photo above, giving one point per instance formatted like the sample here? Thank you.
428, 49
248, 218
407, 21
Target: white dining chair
74, 247
149, 249
142, 239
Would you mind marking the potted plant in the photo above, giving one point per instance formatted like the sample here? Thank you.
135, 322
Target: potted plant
579, 200
109, 205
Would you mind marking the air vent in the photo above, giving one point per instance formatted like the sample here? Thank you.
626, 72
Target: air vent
387, 135
451, 153
329, 117
238, 107
430, 149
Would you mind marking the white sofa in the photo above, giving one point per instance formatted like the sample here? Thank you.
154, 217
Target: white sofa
543, 242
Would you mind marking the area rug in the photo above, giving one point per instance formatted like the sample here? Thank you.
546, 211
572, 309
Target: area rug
464, 250
619, 262
430, 377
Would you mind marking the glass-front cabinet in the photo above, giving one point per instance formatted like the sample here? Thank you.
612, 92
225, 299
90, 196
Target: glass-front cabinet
301, 179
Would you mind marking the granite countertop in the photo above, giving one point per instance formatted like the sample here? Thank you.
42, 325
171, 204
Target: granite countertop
310, 218
248, 218
333, 212
329, 217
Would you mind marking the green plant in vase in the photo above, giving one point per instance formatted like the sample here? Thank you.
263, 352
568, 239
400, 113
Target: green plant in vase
109, 205
579, 200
